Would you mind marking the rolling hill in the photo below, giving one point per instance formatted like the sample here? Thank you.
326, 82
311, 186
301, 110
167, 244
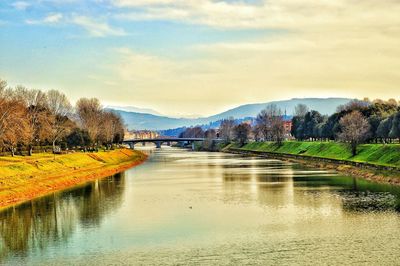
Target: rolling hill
139, 120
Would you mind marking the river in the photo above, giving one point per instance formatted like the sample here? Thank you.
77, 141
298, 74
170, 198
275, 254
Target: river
183, 207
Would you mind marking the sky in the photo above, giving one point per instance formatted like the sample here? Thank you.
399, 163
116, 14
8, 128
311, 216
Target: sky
201, 57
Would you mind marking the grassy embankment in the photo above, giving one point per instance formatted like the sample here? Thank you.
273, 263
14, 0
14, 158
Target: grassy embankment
371, 154
25, 178
386, 155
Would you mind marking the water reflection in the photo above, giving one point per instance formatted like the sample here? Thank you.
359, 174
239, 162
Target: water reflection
279, 183
180, 204
35, 225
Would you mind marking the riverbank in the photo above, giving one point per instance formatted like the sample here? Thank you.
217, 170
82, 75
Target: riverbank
375, 162
23, 178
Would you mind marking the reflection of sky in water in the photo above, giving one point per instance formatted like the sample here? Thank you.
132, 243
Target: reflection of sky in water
188, 207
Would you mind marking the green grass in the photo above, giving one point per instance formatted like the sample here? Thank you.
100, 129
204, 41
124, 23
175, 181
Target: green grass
379, 154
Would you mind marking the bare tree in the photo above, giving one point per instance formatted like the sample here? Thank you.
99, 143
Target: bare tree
277, 128
111, 128
354, 129
257, 132
263, 124
209, 135
119, 129
6, 106
61, 109
39, 116
18, 130
241, 133
226, 129
30, 117
14, 126
89, 112
270, 123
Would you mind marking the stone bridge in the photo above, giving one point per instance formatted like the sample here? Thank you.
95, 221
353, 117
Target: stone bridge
159, 141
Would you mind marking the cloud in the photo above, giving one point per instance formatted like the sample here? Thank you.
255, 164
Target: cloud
315, 62
342, 46
277, 14
21, 5
52, 18
318, 48
137, 3
166, 82
96, 28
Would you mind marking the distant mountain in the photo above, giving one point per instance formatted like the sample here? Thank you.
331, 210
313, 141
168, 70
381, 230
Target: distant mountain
135, 110
325, 106
216, 124
139, 120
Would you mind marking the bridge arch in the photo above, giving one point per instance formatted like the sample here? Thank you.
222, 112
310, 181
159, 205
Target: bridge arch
159, 141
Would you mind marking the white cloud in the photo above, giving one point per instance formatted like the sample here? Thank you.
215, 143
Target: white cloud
281, 14
21, 5
350, 63
52, 18
342, 45
325, 48
96, 28
136, 3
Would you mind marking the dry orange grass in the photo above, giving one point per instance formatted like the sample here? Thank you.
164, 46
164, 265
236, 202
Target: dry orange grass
25, 178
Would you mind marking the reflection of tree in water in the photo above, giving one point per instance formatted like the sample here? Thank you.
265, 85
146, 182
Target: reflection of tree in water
53, 219
367, 201
36, 224
99, 198
275, 186
357, 195
366, 196
265, 181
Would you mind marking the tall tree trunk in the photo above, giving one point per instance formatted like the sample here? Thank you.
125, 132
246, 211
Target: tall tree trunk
30, 150
12, 151
354, 149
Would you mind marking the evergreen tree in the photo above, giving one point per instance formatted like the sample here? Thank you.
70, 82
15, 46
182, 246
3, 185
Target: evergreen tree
395, 129
384, 128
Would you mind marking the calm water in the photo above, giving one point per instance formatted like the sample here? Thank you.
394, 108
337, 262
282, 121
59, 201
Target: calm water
184, 207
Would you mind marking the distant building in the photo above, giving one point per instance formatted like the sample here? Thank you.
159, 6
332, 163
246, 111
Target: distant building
287, 125
141, 134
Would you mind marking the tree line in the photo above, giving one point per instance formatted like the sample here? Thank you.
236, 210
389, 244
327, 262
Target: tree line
268, 126
30, 118
356, 122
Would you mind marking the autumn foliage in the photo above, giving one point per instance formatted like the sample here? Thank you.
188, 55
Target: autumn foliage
31, 118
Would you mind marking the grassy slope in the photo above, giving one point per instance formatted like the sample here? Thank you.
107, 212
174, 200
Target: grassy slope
23, 178
388, 155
